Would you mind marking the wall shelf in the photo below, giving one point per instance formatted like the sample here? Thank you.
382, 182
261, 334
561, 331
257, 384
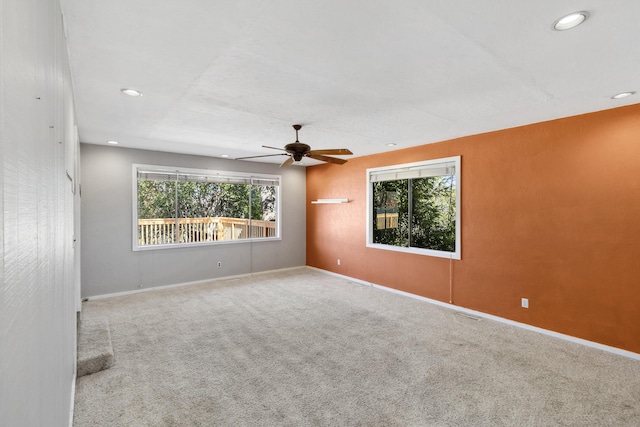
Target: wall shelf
329, 201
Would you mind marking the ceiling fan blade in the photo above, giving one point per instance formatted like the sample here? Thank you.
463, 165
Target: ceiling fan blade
287, 162
266, 155
274, 148
336, 151
328, 159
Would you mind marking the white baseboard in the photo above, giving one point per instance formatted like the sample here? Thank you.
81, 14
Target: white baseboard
73, 399
554, 334
197, 282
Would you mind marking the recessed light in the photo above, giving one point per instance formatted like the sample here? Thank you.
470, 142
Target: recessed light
571, 20
622, 95
224, 155
131, 92
391, 144
113, 142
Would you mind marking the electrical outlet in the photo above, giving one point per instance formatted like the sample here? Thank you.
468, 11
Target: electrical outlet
338, 261
219, 263
525, 303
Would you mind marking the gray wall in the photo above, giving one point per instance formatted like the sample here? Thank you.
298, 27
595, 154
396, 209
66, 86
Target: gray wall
37, 295
109, 264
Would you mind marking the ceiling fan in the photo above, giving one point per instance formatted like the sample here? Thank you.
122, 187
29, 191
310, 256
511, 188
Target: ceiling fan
297, 150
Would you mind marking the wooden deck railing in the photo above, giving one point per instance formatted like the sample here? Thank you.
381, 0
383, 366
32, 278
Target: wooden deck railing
159, 231
386, 220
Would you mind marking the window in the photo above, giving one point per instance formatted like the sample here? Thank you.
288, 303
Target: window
415, 208
187, 207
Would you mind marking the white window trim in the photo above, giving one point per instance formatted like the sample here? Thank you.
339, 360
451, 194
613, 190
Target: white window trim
420, 251
172, 169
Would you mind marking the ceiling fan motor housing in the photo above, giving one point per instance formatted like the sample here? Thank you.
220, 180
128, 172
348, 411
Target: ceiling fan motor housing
298, 150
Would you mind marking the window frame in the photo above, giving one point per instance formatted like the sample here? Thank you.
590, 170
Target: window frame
427, 164
204, 172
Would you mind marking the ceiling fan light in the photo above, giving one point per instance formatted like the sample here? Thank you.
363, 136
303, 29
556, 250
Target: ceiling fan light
571, 20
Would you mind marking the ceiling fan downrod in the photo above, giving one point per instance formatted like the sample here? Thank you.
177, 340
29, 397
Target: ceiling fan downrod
297, 128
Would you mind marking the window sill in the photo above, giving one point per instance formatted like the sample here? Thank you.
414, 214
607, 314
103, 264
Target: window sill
416, 251
137, 248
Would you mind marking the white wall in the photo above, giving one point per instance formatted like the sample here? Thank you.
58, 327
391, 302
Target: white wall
37, 297
109, 264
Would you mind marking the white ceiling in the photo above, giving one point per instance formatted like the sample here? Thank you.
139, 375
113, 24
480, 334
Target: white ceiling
226, 77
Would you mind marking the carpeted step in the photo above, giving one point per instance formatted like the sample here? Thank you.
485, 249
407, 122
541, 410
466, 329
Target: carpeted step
95, 352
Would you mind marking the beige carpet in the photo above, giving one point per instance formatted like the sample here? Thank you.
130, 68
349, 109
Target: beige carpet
95, 352
301, 348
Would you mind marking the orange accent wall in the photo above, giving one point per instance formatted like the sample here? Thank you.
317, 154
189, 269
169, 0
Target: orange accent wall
550, 212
